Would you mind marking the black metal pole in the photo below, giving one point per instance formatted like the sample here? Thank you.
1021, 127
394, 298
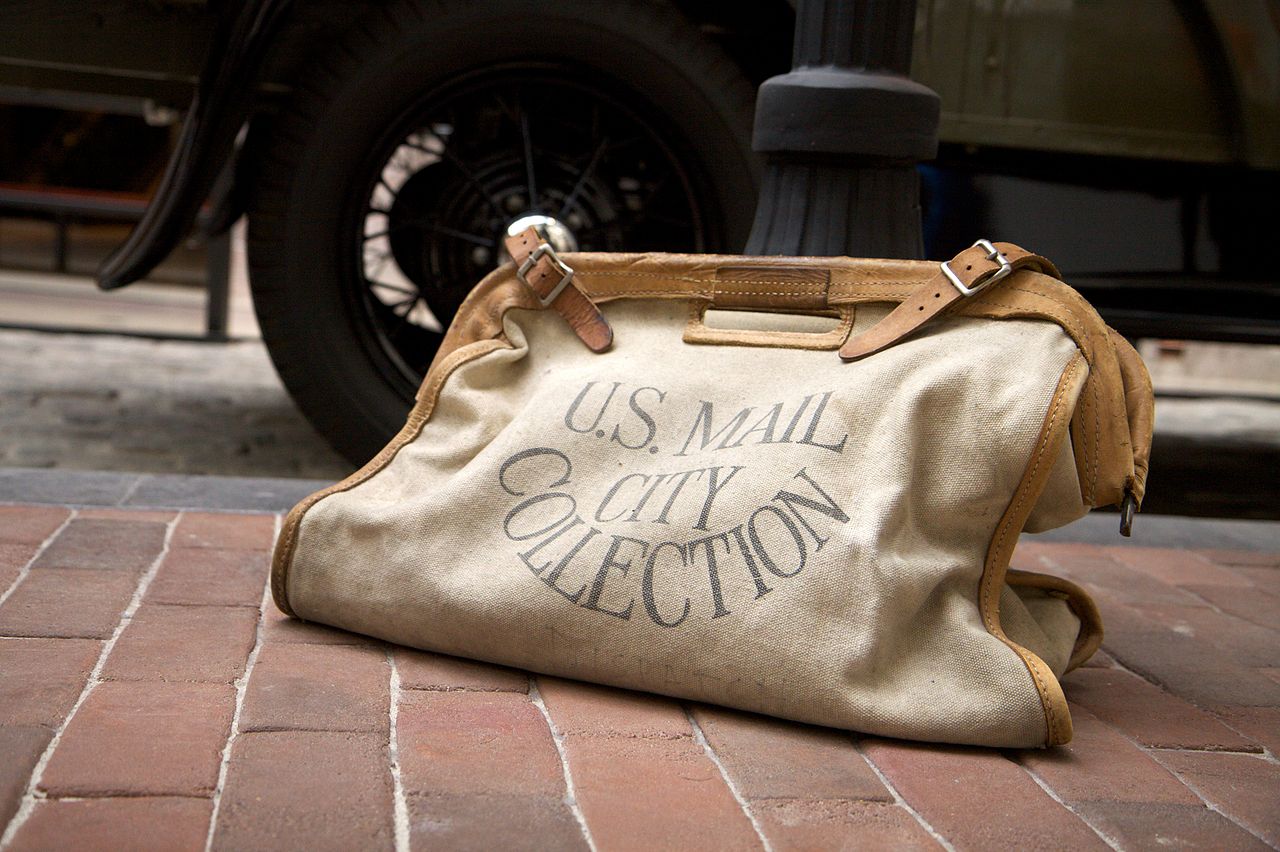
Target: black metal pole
842, 133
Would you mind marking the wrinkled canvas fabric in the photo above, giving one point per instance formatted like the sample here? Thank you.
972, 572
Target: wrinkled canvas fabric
760, 527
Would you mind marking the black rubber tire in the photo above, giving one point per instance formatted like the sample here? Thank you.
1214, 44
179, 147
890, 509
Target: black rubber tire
362, 85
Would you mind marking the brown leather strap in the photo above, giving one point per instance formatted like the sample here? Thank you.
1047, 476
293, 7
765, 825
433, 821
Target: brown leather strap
547, 275
971, 271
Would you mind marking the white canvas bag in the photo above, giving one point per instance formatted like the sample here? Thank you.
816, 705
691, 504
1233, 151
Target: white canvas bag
788, 485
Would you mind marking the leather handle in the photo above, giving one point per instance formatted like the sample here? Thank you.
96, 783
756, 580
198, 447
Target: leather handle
697, 331
768, 287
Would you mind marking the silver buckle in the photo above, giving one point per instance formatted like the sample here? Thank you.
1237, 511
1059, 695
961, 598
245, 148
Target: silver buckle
566, 272
986, 279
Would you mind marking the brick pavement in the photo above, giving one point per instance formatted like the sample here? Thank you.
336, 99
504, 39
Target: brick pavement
152, 697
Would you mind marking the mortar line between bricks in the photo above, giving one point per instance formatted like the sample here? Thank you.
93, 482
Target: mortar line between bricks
401, 809
44, 545
1119, 664
1260, 752
31, 795
701, 739
242, 687
570, 792
1208, 803
1052, 794
142, 507
1184, 782
1210, 604
900, 801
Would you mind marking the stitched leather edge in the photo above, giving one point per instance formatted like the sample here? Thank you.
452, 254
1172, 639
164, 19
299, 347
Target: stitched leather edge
440, 370
1049, 443
1026, 294
1140, 399
1106, 441
1090, 637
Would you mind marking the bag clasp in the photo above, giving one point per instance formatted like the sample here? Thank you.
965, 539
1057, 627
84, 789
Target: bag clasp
987, 278
565, 271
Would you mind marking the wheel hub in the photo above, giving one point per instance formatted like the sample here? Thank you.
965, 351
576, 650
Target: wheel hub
552, 230
494, 153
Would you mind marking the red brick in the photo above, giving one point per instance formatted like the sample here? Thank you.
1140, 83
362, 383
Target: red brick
1252, 604
184, 643
1269, 559
138, 739
13, 558
205, 576
490, 743
104, 545
1028, 555
1248, 644
1098, 571
69, 603
1260, 724
1177, 567
89, 825
978, 799
1267, 579
1242, 785
1100, 660
40, 679
30, 524
809, 824
1061, 553
1147, 713
496, 821
20, 750
306, 790
1101, 764
655, 794
225, 531
583, 708
1161, 826
772, 759
280, 629
1195, 670
318, 688
131, 515
421, 670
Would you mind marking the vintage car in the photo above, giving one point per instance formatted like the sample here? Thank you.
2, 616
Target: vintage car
381, 149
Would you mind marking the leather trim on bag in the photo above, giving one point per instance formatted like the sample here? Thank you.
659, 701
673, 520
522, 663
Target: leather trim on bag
696, 331
1048, 444
1111, 451
418, 417
1104, 450
948, 286
1139, 400
1090, 637
739, 286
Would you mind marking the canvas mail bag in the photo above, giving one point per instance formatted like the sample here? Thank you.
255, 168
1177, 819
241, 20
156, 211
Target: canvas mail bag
787, 485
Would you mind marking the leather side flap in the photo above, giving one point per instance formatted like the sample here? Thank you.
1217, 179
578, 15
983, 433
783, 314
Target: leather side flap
1140, 407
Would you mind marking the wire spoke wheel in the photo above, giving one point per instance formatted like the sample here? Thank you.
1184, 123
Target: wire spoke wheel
385, 184
490, 149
